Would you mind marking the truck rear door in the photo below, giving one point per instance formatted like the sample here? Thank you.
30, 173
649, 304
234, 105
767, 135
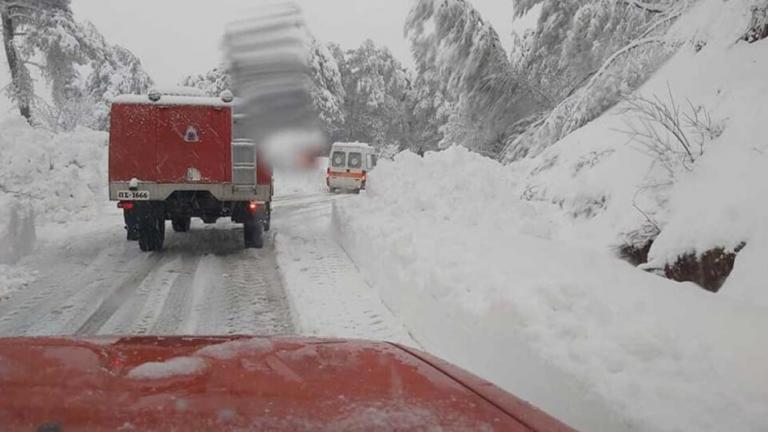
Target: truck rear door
194, 144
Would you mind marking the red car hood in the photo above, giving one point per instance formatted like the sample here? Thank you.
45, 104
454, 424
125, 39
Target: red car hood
246, 384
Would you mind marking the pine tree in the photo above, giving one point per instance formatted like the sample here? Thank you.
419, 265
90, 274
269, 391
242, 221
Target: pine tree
583, 56
114, 71
377, 87
46, 30
44, 18
212, 82
328, 94
454, 47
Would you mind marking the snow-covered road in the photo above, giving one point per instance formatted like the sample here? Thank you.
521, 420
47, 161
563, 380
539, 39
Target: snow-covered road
89, 281
97, 283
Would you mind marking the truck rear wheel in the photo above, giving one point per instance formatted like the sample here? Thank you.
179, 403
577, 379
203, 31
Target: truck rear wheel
268, 220
181, 225
131, 225
151, 233
253, 233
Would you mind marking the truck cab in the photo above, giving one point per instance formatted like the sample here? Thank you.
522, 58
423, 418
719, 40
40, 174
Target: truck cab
349, 165
177, 155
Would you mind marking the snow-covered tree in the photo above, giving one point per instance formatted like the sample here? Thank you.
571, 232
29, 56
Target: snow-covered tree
43, 34
377, 88
584, 55
33, 25
429, 110
212, 82
454, 47
328, 94
114, 71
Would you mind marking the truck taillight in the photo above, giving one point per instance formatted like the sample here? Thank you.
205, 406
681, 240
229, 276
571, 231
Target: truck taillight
125, 205
253, 206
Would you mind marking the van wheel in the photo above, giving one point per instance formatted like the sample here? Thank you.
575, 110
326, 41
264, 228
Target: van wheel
253, 233
151, 233
181, 225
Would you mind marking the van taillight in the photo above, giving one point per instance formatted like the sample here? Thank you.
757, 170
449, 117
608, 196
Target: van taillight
328, 172
125, 205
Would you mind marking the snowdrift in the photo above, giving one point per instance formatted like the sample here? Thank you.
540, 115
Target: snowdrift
497, 285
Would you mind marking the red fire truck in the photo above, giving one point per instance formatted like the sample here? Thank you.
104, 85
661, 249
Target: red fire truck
178, 155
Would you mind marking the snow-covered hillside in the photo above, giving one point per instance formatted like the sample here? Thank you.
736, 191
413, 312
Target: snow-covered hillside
601, 174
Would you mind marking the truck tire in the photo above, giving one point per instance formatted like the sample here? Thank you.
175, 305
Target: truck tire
268, 220
181, 225
131, 225
253, 233
151, 233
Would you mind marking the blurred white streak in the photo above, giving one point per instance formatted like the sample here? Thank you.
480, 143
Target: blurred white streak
268, 58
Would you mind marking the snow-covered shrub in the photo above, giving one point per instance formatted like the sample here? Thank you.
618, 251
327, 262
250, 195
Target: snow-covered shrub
674, 136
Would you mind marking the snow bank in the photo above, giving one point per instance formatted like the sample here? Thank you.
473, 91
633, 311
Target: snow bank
46, 178
495, 284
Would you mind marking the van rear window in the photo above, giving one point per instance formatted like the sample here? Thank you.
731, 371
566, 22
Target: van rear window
355, 160
339, 159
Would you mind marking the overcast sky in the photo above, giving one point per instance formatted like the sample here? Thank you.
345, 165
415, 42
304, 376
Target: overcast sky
175, 38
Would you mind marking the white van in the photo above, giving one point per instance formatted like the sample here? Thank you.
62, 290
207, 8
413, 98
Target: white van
349, 165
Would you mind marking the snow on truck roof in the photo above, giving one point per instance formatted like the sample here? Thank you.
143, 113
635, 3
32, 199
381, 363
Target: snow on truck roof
170, 100
176, 96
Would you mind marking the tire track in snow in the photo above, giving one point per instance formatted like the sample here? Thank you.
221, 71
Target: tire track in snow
95, 283
202, 280
116, 300
178, 305
248, 299
73, 281
140, 311
329, 296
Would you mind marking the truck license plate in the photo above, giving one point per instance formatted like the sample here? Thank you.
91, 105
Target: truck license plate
133, 195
